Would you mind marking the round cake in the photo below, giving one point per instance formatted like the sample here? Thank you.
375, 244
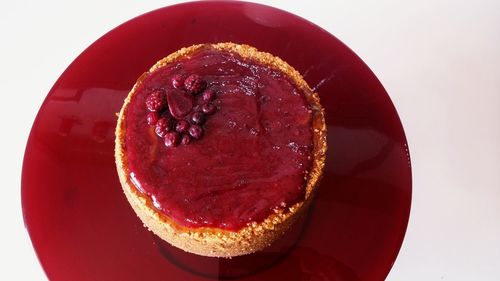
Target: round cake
219, 148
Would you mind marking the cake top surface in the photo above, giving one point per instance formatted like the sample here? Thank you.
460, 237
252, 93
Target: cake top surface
218, 140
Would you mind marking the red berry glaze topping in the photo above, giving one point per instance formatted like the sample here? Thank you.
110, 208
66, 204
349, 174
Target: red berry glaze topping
194, 84
156, 101
247, 158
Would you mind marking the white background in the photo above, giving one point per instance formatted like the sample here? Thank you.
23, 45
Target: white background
439, 61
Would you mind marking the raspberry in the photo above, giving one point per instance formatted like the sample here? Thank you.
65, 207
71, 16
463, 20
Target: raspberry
178, 81
208, 108
196, 131
172, 139
185, 139
208, 95
182, 126
156, 101
197, 118
152, 118
163, 126
160, 131
194, 84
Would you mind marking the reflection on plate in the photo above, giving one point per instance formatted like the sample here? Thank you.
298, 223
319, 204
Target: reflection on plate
81, 225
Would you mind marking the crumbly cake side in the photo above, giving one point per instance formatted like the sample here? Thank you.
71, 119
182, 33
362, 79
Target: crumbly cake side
212, 241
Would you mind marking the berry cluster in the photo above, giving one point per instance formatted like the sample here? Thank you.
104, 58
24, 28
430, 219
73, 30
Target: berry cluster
173, 113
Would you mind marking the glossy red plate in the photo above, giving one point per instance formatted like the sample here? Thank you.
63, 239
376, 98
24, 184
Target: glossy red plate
81, 225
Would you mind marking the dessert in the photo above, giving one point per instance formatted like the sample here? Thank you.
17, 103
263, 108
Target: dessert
219, 148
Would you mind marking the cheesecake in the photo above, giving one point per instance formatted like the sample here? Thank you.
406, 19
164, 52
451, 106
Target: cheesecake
219, 148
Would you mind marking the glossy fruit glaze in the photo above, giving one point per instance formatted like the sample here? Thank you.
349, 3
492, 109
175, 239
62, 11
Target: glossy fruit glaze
74, 209
254, 155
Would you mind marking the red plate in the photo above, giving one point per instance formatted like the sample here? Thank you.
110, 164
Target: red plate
82, 227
